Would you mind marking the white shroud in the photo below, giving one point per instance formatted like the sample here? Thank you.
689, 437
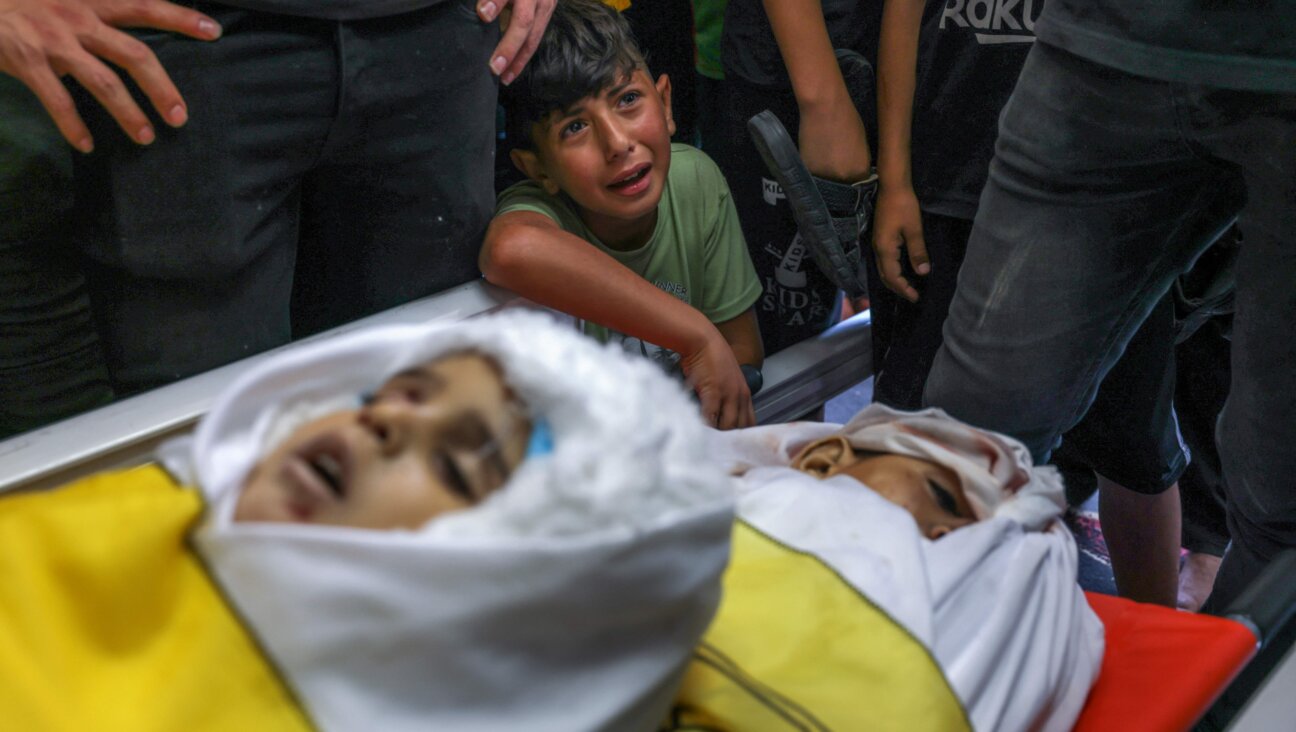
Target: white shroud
997, 604
570, 599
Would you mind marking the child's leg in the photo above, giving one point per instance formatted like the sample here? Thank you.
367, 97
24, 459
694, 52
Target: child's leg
1142, 534
1130, 438
1202, 382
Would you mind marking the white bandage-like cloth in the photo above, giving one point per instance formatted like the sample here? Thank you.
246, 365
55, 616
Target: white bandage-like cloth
995, 471
568, 600
996, 602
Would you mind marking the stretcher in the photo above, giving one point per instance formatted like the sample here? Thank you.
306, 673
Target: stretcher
1163, 670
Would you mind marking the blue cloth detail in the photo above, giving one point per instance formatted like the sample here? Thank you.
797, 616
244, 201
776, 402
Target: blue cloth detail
541, 441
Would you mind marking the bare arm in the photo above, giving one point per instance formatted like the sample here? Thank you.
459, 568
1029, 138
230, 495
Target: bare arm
897, 220
743, 336
530, 254
831, 137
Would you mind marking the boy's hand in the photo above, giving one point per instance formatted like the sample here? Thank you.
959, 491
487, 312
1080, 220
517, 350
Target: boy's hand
43, 40
897, 224
721, 389
523, 22
528, 253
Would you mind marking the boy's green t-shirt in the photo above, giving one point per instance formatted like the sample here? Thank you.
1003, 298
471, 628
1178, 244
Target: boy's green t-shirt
697, 253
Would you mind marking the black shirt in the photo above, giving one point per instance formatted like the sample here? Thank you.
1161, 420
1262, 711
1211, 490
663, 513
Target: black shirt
1235, 44
969, 57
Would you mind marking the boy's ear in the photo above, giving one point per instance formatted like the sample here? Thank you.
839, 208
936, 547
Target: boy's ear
532, 167
664, 89
824, 457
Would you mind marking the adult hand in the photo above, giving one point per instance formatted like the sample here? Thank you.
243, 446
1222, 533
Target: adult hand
832, 141
722, 391
43, 40
897, 224
524, 23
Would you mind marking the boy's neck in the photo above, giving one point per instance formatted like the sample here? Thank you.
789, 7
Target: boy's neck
620, 235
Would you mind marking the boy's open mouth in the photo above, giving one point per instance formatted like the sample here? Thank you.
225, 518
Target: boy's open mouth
628, 180
321, 470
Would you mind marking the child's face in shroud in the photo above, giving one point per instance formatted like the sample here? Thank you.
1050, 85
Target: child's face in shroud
435, 438
931, 493
610, 153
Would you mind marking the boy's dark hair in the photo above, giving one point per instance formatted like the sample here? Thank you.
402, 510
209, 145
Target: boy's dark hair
586, 48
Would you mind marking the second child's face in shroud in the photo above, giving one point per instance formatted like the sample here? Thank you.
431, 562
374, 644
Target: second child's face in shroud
435, 438
931, 493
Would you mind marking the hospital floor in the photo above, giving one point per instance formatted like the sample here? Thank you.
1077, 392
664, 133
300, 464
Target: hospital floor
1095, 564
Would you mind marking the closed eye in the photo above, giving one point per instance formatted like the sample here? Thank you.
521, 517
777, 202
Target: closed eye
944, 498
469, 438
453, 476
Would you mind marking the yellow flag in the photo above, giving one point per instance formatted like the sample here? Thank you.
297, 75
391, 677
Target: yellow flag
108, 621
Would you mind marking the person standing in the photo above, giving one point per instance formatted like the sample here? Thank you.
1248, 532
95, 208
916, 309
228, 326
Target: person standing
336, 160
1131, 124
780, 55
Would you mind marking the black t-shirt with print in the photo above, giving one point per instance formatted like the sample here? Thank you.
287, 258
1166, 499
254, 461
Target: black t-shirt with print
970, 53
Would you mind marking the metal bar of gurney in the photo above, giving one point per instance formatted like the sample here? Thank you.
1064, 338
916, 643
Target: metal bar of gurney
128, 431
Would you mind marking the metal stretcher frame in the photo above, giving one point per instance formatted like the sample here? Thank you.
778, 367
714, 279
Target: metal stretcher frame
128, 431
796, 381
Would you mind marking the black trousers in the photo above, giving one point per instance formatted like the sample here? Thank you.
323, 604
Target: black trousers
329, 170
1200, 391
50, 363
1129, 435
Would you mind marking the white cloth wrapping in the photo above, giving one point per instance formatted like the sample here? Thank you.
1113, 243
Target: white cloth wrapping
997, 604
996, 472
569, 600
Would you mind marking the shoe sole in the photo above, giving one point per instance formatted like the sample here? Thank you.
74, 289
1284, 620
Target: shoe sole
814, 221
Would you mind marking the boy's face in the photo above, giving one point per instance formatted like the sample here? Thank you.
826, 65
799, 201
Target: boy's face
931, 493
610, 153
435, 438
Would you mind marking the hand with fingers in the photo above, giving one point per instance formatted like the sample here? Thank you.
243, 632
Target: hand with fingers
42, 41
523, 22
723, 396
897, 232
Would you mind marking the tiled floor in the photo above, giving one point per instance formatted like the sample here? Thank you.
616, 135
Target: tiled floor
844, 406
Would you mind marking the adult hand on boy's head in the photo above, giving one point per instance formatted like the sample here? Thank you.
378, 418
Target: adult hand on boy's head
897, 225
524, 23
721, 388
43, 40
